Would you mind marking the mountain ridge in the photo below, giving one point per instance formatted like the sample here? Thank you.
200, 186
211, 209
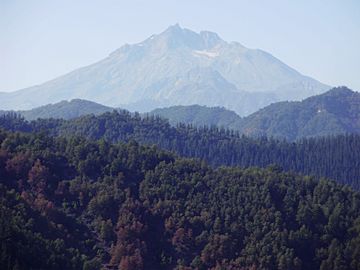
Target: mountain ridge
333, 112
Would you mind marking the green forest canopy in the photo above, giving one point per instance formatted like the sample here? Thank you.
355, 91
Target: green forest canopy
71, 203
335, 157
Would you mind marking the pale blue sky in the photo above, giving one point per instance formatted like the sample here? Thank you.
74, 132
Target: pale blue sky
42, 39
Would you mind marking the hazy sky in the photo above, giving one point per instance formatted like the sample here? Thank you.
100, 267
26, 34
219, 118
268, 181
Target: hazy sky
42, 39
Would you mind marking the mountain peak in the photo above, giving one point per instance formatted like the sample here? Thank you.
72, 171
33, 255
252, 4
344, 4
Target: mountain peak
207, 36
175, 36
174, 28
200, 64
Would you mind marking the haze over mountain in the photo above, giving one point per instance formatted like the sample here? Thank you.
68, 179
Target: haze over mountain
176, 67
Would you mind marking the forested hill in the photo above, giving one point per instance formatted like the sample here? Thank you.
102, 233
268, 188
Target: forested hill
337, 157
77, 204
199, 116
334, 112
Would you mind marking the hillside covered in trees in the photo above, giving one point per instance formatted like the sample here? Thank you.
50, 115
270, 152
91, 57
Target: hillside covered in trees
199, 116
334, 112
71, 203
336, 157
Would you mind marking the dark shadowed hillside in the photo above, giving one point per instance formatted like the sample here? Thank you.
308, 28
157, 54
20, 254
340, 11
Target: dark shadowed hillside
78, 204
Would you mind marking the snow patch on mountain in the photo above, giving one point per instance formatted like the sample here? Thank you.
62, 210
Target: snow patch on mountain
210, 54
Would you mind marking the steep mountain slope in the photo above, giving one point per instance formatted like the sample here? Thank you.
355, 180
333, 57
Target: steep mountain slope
176, 67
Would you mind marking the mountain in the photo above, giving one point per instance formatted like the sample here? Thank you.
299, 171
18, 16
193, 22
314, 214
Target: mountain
176, 67
334, 112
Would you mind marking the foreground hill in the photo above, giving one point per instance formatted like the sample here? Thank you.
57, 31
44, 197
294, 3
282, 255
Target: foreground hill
175, 67
77, 204
336, 157
334, 112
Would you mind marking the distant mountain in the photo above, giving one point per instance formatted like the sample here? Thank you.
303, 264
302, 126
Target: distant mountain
176, 67
65, 109
199, 116
334, 112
